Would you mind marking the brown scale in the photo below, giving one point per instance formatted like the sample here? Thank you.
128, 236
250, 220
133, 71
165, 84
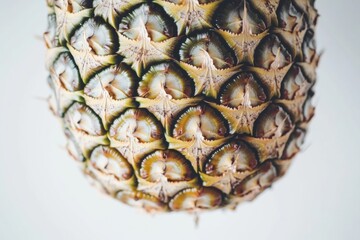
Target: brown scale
229, 165
311, 58
238, 16
209, 61
110, 92
135, 133
271, 54
294, 144
257, 182
308, 110
307, 6
91, 50
85, 127
272, 62
293, 147
65, 82
268, 9
197, 132
111, 169
295, 88
271, 133
164, 173
292, 27
165, 89
309, 47
151, 40
242, 100
241, 27
195, 199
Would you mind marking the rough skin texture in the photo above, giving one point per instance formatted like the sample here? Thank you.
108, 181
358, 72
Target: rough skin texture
182, 105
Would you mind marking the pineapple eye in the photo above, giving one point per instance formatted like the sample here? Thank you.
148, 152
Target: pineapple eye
243, 90
294, 144
81, 118
273, 122
137, 124
167, 165
254, 184
147, 21
271, 54
141, 200
290, 17
65, 73
238, 17
233, 157
201, 120
294, 84
309, 46
309, 11
73, 147
207, 50
50, 37
117, 81
166, 78
194, 198
73, 6
109, 161
95, 36
110, 10
309, 109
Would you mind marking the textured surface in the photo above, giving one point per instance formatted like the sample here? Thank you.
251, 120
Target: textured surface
182, 105
43, 195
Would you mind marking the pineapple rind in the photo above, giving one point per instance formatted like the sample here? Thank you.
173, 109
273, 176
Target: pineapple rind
186, 105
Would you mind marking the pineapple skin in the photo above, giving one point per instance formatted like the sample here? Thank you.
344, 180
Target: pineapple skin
182, 105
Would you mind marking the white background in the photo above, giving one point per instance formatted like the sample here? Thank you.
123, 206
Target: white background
43, 195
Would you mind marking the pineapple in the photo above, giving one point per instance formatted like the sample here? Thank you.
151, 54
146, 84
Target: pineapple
182, 105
